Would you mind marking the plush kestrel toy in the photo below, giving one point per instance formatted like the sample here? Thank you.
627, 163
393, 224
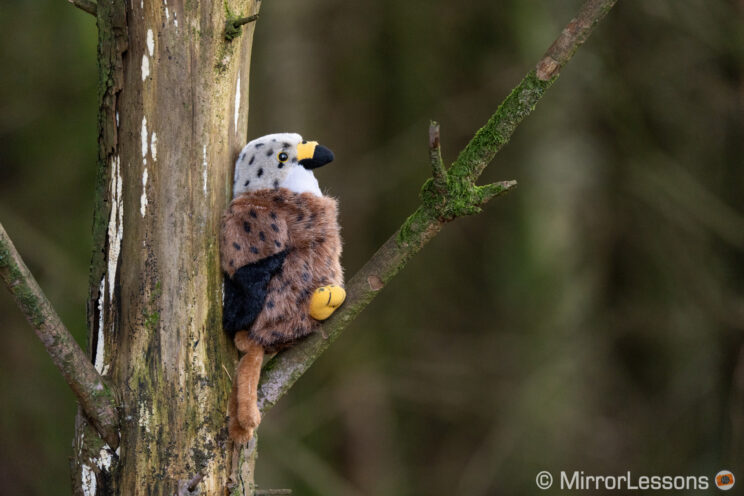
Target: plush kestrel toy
280, 251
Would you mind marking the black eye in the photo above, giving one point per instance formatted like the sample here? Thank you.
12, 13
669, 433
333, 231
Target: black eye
283, 157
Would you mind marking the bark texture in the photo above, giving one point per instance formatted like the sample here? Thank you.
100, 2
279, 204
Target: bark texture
173, 114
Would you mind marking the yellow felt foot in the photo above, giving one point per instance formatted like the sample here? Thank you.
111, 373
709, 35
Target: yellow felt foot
325, 301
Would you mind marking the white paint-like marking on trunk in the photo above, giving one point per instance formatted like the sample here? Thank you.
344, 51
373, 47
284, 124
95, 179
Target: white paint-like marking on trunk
88, 479
100, 345
115, 225
237, 103
154, 146
117, 119
144, 137
175, 19
150, 42
105, 459
143, 198
167, 15
204, 169
80, 443
145, 66
145, 146
144, 417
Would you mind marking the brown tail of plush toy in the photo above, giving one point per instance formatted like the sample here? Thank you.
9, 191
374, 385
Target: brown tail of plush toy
243, 410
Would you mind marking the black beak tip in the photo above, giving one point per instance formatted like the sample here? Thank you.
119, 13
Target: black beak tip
321, 156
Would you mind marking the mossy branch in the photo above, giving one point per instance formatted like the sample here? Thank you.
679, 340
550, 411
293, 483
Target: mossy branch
86, 6
233, 24
447, 195
95, 396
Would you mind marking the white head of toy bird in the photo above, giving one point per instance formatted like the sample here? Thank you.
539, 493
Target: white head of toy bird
282, 160
280, 250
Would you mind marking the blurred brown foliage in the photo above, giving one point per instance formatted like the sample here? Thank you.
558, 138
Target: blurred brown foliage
590, 320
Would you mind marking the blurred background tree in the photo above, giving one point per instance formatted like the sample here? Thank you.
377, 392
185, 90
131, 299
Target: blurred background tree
590, 320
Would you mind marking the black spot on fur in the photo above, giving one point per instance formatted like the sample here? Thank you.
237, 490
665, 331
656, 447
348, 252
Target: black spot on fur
247, 182
305, 276
278, 244
308, 225
259, 145
242, 155
246, 227
300, 216
278, 200
252, 159
294, 160
275, 227
252, 213
303, 317
272, 215
281, 164
261, 236
254, 250
260, 172
270, 304
232, 263
236, 246
276, 183
269, 153
285, 145
320, 240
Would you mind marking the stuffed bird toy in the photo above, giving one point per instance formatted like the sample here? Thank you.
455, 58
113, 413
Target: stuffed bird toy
280, 250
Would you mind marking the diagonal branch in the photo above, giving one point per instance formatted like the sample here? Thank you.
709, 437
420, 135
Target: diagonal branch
449, 194
95, 396
86, 5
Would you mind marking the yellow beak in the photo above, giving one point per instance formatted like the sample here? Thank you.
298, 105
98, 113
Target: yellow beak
311, 155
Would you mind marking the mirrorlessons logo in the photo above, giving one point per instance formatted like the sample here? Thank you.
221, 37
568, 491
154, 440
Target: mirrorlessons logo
580, 481
724, 480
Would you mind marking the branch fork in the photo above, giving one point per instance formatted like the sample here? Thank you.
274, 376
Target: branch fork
451, 194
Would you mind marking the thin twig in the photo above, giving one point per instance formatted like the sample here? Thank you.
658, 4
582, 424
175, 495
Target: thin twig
86, 6
187, 487
232, 25
95, 396
195, 480
462, 197
439, 173
573, 36
244, 20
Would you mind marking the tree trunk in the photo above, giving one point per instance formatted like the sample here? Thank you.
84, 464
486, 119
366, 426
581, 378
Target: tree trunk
173, 116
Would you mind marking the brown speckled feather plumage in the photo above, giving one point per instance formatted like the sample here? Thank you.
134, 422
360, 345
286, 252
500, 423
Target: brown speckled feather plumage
266, 222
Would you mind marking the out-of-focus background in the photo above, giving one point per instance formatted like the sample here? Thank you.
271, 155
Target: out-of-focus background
591, 320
